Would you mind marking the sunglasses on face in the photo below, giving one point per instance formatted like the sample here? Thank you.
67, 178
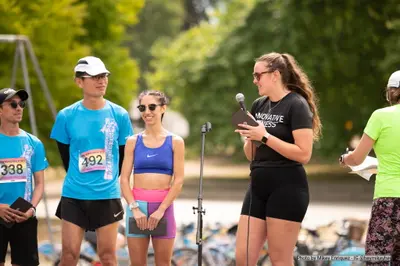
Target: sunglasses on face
152, 107
257, 76
15, 104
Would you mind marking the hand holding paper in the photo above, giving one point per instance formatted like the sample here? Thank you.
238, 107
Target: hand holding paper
367, 168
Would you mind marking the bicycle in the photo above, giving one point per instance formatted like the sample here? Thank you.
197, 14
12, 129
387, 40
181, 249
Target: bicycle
342, 246
89, 250
265, 260
88, 253
353, 249
215, 252
53, 253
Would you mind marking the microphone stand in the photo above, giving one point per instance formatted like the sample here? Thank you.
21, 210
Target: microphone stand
199, 235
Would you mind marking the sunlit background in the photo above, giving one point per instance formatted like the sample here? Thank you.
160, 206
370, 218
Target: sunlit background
201, 53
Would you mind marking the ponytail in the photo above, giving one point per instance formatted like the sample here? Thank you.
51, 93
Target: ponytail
295, 79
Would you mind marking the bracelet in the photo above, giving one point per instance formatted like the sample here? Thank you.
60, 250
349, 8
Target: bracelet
34, 211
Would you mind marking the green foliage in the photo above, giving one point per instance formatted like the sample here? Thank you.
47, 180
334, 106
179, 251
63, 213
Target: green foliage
339, 46
106, 25
391, 45
159, 23
158, 20
52, 29
180, 65
61, 32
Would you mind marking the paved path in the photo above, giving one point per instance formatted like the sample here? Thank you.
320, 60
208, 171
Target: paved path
347, 196
330, 200
227, 212
353, 190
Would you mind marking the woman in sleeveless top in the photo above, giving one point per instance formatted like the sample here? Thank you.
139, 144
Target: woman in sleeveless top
157, 159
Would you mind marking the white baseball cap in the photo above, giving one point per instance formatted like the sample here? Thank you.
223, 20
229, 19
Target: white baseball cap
91, 65
394, 80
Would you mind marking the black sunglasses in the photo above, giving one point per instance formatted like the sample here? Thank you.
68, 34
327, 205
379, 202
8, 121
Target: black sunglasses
15, 104
257, 76
152, 107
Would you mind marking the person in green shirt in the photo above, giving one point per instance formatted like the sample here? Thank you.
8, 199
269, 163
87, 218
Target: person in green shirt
382, 133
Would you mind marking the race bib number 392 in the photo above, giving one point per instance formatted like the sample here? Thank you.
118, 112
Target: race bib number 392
93, 160
12, 170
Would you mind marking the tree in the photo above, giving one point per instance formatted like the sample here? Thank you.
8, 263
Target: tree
52, 29
158, 20
390, 13
339, 47
343, 62
106, 26
196, 12
61, 32
161, 22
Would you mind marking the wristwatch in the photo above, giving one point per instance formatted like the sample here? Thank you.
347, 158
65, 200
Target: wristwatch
264, 139
133, 205
341, 158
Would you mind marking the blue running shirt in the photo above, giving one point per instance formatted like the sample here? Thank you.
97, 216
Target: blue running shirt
94, 137
20, 157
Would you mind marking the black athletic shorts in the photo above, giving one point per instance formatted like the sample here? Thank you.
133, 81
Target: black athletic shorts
90, 214
23, 243
277, 192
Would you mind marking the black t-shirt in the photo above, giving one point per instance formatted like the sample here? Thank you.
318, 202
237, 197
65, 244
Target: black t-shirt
280, 119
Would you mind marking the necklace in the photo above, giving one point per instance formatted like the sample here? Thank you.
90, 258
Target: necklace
269, 105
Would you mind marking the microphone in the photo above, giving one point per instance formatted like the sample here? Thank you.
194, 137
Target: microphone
240, 100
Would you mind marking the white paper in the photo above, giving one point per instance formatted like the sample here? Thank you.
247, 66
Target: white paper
367, 168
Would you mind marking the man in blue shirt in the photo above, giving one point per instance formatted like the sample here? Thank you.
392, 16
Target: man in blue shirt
22, 157
91, 136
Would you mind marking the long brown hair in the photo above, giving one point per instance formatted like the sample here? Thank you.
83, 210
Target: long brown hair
393, 95
295, 79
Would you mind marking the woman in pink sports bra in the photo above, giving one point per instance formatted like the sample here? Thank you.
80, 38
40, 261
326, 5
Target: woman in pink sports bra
157, 159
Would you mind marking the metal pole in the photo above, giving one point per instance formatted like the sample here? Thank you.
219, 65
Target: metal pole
200, 211
15, 67
25, 74
199, 235
42, 80
21, 49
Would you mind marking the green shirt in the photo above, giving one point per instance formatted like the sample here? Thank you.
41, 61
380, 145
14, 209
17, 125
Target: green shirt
384, 127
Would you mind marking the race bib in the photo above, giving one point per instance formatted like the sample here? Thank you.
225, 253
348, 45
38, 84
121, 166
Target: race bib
93, 160
13, 170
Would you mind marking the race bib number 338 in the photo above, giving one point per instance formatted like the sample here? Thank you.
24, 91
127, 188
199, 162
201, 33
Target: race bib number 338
93, 160
12, 170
